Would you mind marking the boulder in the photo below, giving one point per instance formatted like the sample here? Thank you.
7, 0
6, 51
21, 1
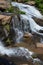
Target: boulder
27, 35
38, 21
5, 19
28, 38
4, 4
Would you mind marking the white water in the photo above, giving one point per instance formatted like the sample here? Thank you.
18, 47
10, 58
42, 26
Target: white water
20, 51
37, 61
34, 27
16, 52
19, 35
30, 12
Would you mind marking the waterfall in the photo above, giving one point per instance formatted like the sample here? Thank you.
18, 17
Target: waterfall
16, 27
30, 11
19, 35
16, 52
19, 52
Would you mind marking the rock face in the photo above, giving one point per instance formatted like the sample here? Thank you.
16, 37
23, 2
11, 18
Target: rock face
38, 21
4, 4
40, 56
5, 19
4, 26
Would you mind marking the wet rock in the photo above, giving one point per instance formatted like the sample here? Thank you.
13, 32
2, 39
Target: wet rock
38, 21
40, 56
28, 38
34, 55
27, 35
2, 34
38, 62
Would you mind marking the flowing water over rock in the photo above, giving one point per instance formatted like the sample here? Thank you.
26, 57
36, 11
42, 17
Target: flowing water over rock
19, 54
25, 25
38, 61
27, 22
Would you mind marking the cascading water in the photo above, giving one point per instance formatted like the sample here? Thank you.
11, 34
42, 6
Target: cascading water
38, 61
19, 52
19, 35
16, 52
16, 27
19, 28
30, 11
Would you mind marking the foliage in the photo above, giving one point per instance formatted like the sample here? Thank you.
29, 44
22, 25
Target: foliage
7, 27
21, 12
39, 4
21, 0
14, 10
11, 9
26, 0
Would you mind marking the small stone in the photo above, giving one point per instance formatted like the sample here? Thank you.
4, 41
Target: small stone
27, 35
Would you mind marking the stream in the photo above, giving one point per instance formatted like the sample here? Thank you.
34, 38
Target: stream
26, 24
20, 53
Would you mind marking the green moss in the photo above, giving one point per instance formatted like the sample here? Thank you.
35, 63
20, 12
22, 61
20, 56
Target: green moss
21, 12
7, 27
22, 0
26, 0
39, 4
14, 10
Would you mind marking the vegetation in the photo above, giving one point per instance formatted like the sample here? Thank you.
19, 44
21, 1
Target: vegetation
39, 4
26, 0
21, 0
11, 9
14, 10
